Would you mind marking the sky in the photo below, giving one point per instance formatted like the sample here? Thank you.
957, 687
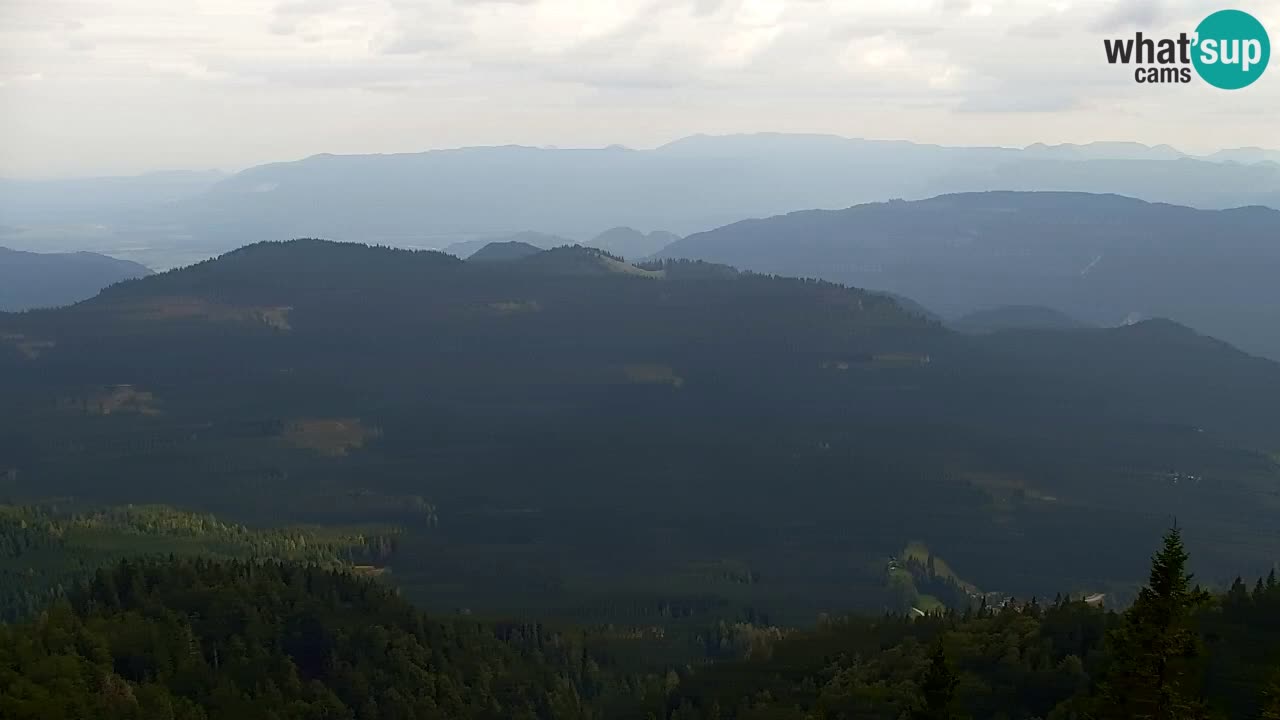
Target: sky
107, 87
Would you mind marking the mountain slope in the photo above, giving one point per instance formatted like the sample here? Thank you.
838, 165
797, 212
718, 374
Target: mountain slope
197, 638
31, 280
600, 441
467, 248
1015, 317
97, 199
1247, 155
631, 243
1099, 258
501, 251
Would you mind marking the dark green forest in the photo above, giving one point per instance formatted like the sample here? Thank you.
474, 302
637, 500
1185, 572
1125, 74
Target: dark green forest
1177, 652
207, 638
46, 550
569, 436
563, 485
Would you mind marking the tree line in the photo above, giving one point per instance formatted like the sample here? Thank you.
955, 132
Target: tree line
202, 638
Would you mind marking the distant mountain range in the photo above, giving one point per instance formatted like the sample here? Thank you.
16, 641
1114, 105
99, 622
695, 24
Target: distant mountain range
632, 244
1103, 259
435, 198
98, 199
35, 280
1246, 155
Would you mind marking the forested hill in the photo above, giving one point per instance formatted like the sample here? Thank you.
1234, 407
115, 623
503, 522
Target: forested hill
1102, 259
47, 550
34, 280
196, 639
571, 435
305, 266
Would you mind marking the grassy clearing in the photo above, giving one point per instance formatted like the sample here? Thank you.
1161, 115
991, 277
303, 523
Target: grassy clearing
31, 348
276, 317
918, 551
899, 359
930, 604
652, 374
515, 307
178, 308
629, 269
332, 437
52, 547
1005, 490
112, 400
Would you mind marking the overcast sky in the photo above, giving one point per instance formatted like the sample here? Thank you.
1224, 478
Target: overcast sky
93, 87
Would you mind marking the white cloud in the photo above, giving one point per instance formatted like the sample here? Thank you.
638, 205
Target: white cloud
89, 87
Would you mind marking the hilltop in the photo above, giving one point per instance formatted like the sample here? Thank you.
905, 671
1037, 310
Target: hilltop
502, 251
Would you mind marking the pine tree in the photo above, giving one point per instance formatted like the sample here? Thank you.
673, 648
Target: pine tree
1150, 677
1238, 595
938, 687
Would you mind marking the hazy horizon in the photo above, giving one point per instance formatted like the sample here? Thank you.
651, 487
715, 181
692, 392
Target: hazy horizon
230, 170
139, 86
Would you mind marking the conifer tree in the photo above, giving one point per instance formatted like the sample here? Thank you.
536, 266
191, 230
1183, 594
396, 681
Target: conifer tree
1150, 676
938, 687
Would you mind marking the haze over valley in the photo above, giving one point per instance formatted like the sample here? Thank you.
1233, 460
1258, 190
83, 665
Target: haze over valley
1104, 260
433, 199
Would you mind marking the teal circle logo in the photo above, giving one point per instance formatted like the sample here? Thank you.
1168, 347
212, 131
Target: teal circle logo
1231, 49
